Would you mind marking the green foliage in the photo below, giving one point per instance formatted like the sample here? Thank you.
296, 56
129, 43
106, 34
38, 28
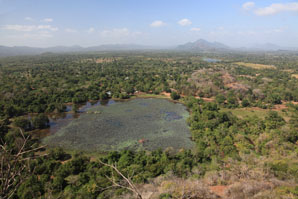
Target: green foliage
220, 99
165, 196
123, 96
23, 123
31, 188
58, 154
232, 101
175, 95
273, 120
40, 121
245, 103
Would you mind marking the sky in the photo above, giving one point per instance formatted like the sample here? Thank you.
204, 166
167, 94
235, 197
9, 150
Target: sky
237, 23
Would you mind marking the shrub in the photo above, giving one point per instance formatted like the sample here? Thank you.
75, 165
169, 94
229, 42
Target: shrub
41, 121
175, 95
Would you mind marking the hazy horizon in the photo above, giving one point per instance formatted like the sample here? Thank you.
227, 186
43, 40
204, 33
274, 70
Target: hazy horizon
167, 23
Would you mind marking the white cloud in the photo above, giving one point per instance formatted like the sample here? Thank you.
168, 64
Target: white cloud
195, 29
47, 27
70, 30
23, 28
28, 19
158, 23
184, 22
248, 5
277, 8
48, 20
29, 28
91, 30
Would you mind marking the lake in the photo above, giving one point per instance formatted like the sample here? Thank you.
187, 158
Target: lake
138, 124
211, 60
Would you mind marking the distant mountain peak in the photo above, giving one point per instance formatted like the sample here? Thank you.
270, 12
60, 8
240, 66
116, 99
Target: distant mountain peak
203, 45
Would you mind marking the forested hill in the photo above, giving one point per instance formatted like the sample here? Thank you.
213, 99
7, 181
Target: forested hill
200, 45
24, 50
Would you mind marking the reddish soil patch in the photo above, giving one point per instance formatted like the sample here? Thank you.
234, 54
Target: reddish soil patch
282, 106
63, 162
218, 190
166, 94
93, 159
142, 141
206, 99
279, 107
104, 60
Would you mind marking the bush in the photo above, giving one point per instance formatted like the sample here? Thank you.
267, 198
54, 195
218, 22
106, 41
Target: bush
22, 123
165, 196
245, 103
175, 95
41, 121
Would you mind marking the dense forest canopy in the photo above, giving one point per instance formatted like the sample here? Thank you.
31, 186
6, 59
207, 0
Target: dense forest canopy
243, 121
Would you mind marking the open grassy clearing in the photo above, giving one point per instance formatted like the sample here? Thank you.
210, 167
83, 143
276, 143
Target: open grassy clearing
253, 112
295, 75
256, 66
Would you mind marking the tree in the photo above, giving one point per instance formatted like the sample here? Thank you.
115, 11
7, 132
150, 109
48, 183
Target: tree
128, 184
175, 95
41, 121
15, 164
245, 103
220, 99
123, 96
22, 123
232, 101
273, 120
103, 96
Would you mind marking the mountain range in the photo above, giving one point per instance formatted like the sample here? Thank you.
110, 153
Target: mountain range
200, 45
203, 45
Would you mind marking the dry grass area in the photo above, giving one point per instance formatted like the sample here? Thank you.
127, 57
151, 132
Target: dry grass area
288, 70
249, 178
167, 187
256, 66
238, 86
239, 181
295, 75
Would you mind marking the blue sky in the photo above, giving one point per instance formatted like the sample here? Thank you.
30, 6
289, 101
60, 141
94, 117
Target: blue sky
43, 23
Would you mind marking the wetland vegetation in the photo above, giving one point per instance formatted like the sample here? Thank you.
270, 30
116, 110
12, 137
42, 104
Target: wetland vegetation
139, 124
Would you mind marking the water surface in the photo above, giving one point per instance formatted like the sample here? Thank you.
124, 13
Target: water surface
135, 124
211, 60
